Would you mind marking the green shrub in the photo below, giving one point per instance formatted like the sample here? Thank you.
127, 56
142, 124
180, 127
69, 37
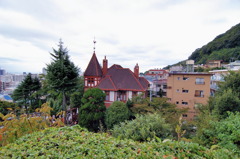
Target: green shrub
76, 142
224, 133
143, 128
116, 113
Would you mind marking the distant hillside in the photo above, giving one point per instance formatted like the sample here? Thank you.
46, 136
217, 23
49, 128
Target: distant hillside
224, 47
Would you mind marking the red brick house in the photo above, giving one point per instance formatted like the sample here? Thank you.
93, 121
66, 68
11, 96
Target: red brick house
117, 82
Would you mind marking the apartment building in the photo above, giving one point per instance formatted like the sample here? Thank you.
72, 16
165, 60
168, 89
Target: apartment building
188, 90
157, 79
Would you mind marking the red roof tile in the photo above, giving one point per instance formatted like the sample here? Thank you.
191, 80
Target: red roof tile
144, 82
122, 79
106, 84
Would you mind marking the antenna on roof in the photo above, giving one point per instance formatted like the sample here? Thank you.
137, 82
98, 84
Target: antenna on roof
94, 42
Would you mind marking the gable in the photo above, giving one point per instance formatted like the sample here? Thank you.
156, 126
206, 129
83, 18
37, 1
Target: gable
106, 84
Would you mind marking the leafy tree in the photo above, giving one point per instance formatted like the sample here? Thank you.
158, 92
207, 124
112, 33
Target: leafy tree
76, 96
160, 93
14, 127
92, 111
231, 81
62, 74
227, 97
143, 128
6, 107
228, 101
224, 133
27, 93
116, 113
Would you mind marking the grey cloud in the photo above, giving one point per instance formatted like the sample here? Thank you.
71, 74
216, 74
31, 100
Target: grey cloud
42, 9
4, 60
24, 34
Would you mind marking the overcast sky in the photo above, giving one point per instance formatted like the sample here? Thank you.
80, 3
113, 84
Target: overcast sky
152, 33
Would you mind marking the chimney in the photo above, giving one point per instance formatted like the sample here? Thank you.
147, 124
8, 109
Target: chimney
105, 66
136, 70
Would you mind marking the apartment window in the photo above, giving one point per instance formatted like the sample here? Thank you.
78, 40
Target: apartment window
178, 78
185, 78
199, 93
184, 115
164, 86
177, 102
184, 91
184, 103
177, 90
200, 81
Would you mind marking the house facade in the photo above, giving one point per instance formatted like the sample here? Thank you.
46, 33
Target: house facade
188, 90
158, 81
214, 63
118, 83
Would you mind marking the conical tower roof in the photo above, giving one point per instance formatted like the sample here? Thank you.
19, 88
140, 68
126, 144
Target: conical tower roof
94, 68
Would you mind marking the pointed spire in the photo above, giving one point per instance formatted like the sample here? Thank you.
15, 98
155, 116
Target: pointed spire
94, 42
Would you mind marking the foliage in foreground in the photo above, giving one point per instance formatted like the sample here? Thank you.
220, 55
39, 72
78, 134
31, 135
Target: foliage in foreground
143, 128
13, 127
76, 142
225, 133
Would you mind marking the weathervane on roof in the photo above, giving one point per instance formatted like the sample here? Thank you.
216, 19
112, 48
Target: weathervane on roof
94, 42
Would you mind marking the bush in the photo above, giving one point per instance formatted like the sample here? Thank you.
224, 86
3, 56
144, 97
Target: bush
224, 133
13, 127
116, 113
76, 142
143, 128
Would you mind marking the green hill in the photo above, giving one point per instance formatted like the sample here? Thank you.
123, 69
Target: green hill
224, 47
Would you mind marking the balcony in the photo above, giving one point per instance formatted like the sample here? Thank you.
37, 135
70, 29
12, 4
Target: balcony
199, 95
202, 83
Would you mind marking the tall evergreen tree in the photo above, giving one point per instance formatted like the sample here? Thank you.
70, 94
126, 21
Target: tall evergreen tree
26, 93
92, 111
62, 74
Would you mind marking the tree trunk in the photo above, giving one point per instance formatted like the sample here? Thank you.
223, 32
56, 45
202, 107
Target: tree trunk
26, 107
64, 108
